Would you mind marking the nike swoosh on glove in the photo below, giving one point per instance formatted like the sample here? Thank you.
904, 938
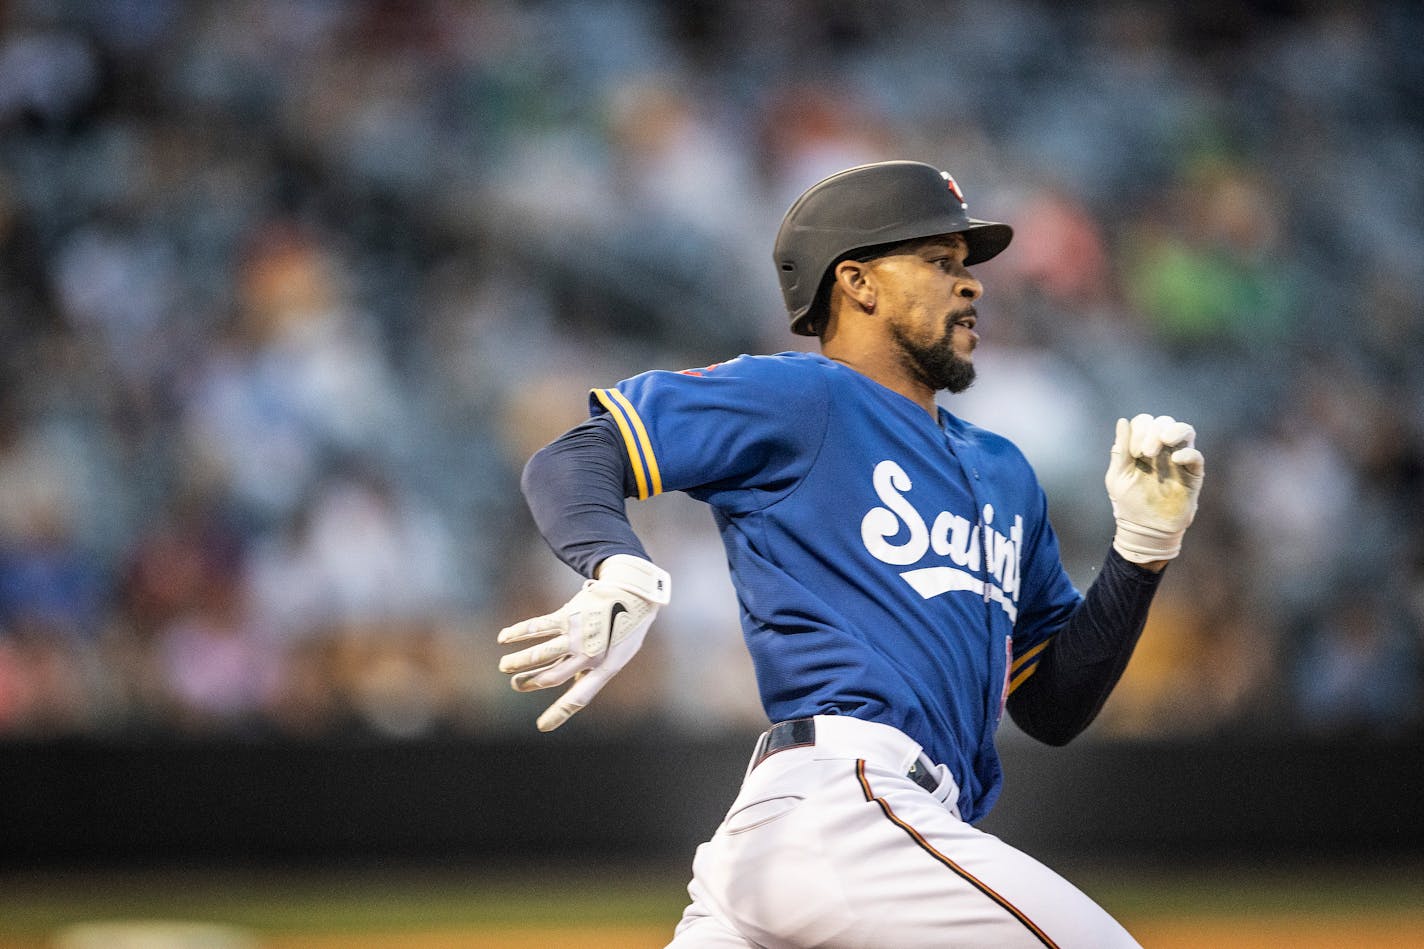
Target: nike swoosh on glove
590, 638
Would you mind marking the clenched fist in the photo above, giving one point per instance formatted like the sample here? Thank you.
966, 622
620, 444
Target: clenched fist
1154, 477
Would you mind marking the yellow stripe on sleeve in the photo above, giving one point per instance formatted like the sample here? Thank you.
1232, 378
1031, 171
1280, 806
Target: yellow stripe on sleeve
1028, 656
1026, 665
628, 443
1019, 679
643, 440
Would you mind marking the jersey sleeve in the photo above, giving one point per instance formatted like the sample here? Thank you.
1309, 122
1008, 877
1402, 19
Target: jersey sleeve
738, 434
1077, 668
1050, 597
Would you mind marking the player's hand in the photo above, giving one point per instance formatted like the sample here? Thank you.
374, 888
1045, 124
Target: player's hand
590, 638
1153, 479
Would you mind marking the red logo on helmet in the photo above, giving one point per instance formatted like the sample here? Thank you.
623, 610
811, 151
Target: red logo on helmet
954, 190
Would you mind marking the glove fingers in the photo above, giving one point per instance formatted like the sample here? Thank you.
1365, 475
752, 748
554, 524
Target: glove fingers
1155, 437
533, 628
1140, 436
579, 695
1121, 451
1190, 460
1177, 434
620, 603
535, 656
547, 677
556, 714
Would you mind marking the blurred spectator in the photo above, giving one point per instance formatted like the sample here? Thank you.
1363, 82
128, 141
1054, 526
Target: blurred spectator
47, 577
45, 75
302, 374
365, 582
1208, 272
184, 556
47, 688
1059, 250
1295, 495
290, 291
1359, 669
217, 669
1207, 661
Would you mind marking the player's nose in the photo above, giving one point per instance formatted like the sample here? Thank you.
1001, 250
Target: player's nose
968, 287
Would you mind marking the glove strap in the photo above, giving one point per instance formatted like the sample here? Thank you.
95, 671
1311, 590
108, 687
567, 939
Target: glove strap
1144, 545
637, 576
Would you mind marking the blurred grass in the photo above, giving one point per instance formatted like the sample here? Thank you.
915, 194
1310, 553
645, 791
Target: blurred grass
1304, 888
330, 903
306, 901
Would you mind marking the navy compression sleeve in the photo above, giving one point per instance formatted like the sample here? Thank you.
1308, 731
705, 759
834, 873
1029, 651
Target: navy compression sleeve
1084, 661
575, 488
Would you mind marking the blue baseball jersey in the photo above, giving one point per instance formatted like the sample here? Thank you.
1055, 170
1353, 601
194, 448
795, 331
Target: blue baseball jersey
887, 566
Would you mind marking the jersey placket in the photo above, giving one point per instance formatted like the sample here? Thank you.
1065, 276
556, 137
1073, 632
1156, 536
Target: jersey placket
966, 458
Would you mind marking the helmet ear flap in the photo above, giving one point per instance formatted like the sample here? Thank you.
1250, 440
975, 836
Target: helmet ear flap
812, 320
790, 276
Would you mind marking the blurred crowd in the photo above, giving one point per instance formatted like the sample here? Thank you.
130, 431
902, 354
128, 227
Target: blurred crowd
291, 289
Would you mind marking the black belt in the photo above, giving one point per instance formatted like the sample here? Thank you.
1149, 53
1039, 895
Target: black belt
801, 733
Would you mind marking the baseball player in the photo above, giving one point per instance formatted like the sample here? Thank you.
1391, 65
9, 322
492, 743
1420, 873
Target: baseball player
899, 582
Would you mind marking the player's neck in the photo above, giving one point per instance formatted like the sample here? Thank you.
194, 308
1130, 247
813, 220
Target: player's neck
885, 371
856, 338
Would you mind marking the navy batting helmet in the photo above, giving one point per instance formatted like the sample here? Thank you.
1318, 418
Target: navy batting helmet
862, 207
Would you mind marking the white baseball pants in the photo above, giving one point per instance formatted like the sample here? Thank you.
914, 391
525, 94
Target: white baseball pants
833, 845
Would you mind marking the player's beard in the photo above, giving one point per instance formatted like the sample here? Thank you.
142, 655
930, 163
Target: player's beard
936, 365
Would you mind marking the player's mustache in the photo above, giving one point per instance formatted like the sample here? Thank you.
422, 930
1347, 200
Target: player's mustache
967, 318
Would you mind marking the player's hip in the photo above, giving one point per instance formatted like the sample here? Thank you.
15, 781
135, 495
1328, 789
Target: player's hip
823, 849
781, 760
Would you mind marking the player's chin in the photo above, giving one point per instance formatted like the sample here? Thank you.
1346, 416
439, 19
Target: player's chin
959, 376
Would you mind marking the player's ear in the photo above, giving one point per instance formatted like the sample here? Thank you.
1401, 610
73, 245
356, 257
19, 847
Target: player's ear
853, 278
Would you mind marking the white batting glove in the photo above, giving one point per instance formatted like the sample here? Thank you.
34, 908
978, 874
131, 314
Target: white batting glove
594, 635
1153, 479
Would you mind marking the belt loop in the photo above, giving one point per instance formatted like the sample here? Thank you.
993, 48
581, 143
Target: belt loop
757, 753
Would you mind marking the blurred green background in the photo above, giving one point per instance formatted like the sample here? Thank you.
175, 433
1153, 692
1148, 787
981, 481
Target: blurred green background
635, 906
